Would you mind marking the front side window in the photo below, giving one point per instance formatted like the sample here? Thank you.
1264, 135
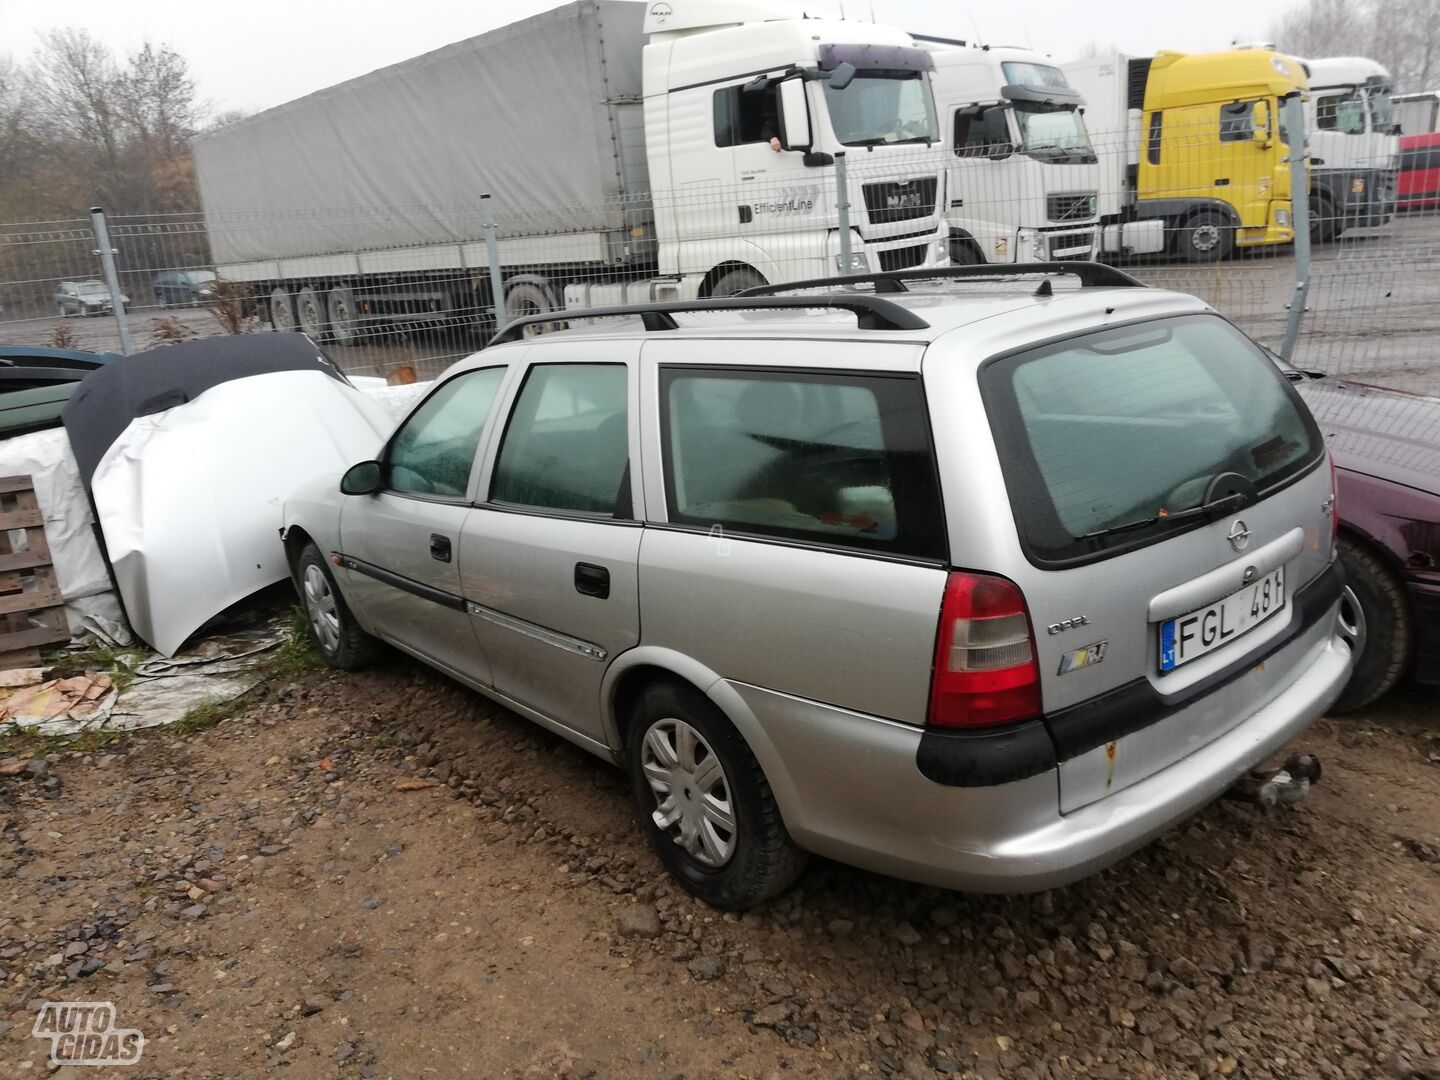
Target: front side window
1382, 107
746, 116
971, 138
1344, 113
837, 459
433, 450
1237, 121
567, 444
876, 109
1110, 437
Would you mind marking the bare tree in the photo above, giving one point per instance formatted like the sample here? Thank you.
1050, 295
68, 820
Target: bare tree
1403, 35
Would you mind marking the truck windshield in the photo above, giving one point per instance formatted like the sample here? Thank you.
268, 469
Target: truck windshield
878, 108
1054, 135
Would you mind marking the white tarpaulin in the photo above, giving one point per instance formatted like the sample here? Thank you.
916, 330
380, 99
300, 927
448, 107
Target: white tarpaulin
190, 498
90, 602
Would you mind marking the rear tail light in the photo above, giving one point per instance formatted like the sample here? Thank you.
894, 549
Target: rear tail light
985, 669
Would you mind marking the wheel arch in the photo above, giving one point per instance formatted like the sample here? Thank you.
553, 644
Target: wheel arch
719, 270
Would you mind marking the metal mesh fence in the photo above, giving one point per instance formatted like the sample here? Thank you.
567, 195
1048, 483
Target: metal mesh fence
399, 289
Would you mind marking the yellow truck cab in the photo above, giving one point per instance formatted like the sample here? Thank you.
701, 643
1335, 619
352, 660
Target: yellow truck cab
1197, 149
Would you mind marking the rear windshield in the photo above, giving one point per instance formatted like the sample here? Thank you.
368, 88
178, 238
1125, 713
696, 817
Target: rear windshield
1107, 439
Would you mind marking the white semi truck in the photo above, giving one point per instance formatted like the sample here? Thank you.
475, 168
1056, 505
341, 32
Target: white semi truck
1023, 177
628, 148
1353, 140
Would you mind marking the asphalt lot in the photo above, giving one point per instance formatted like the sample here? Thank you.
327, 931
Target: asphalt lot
1372, 314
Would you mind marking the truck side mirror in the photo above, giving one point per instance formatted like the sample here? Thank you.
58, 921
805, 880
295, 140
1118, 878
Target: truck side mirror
794, 116
997, 133
1264, 130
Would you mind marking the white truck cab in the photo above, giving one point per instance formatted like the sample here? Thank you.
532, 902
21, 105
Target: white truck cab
1023, 176
1353, 139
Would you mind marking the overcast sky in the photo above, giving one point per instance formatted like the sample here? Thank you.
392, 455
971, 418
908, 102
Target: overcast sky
259, 53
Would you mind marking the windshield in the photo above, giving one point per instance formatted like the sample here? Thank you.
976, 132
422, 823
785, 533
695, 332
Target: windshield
95, 289
1052, 134
200, 277
880, 108
1382, 109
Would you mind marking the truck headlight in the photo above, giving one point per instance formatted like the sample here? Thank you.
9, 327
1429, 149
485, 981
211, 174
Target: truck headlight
1282, 218
859, 263
1094, 205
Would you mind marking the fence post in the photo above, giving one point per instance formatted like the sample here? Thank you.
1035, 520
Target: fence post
842, 204
1292, 112
492, 254
112, 280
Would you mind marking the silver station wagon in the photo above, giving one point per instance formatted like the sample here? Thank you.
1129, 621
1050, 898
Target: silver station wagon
980, 577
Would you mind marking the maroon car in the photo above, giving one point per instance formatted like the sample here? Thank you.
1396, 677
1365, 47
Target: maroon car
1386, 447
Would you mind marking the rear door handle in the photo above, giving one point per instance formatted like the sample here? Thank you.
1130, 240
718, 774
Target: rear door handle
592, 580
439, 547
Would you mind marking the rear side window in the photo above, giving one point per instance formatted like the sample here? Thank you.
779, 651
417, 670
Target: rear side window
1108, 438
567, 444
836, 459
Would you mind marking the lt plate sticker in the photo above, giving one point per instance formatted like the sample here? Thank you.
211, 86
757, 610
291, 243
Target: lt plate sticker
1089, 656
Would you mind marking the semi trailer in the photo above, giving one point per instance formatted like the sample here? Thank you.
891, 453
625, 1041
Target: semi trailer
1023, 177
667, 150
1353, 140
1193, 155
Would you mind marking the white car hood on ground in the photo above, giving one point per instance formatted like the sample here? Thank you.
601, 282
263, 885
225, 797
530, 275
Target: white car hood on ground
189, 499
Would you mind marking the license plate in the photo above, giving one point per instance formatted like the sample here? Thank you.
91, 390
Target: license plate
1191, 636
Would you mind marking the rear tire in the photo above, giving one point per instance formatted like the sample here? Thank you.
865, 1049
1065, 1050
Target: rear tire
716, 797
525, 299
310, 313
332, 628
282, 310
1205, 237
735, 281
345, 328
1389, 641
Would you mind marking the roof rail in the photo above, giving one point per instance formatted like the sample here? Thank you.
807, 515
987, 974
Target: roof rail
871, 312
893, 281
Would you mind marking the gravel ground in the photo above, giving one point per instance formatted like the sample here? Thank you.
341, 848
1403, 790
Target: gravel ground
383, 875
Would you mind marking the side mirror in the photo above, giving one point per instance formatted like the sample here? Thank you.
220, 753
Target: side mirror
815, 159
1264, 132
794, 116
997, 133
365, 478
841, 76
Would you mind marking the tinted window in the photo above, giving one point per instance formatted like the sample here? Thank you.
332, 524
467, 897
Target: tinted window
432, 452
1341, 112
1131, 425
841, 459
746, 116
1152, 151
1237, 121
970, 139
567, 443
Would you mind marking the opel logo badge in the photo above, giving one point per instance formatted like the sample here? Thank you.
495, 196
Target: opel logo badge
1239, 535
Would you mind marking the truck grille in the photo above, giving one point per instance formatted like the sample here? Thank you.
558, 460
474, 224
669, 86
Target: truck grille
892, 201
1069, 207
902, 258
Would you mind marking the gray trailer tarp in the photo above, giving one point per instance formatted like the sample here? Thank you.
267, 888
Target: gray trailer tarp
542, 112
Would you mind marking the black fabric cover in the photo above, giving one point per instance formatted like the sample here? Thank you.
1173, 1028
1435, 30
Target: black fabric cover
150, 382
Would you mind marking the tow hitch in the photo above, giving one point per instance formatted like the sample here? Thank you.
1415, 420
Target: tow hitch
1288, 784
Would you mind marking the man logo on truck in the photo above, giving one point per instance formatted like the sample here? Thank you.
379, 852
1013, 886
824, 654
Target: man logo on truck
661, 11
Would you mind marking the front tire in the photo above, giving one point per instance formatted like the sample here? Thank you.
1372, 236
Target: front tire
704, 803
1389, 641
737, 281
1206, 237
333, 629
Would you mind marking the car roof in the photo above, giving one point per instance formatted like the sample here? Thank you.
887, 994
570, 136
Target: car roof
1007, 309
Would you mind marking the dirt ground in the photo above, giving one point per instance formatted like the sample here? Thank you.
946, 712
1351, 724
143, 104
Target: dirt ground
383, 875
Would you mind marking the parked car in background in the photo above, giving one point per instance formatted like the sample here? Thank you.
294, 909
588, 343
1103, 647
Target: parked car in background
1386, 449
85, 298
1418, 186
186, 288
35, 384
706, 540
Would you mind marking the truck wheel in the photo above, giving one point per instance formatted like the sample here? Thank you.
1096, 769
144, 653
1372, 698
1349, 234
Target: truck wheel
345, 328
310, 312
1206, 237
704, 803
525, 299
735, 281
282, 310
1385, 655
965, 252
1323, 225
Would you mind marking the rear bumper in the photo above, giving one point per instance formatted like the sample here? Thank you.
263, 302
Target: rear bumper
850, 789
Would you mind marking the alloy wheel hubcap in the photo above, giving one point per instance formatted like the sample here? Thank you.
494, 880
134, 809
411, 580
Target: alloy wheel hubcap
320, 606
692, 794
1351, 622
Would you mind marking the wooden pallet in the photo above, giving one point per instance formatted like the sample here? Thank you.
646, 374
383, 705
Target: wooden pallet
32, 612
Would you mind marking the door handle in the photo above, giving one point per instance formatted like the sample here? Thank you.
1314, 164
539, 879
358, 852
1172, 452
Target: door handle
592, 580
439, 547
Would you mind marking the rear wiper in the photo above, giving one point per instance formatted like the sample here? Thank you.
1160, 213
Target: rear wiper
1214, 506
